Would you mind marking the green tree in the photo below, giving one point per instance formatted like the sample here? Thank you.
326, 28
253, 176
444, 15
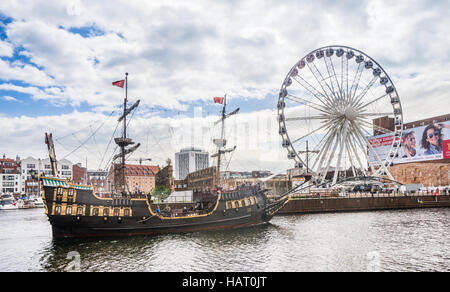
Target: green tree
161, 192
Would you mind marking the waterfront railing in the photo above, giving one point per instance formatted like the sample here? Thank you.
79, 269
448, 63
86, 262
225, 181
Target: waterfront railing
352, 194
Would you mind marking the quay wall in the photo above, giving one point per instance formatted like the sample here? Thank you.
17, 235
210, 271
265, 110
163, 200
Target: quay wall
338, 204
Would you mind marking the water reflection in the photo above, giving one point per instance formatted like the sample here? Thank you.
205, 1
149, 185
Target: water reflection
406, 240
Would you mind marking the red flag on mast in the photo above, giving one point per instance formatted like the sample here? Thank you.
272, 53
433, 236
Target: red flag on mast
119, 83
218, 100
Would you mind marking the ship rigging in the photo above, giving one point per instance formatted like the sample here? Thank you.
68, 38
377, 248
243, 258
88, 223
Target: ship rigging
221, 143
74, 210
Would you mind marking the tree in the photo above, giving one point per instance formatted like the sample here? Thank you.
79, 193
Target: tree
161, 192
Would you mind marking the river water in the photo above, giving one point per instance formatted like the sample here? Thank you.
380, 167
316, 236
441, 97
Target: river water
400, 240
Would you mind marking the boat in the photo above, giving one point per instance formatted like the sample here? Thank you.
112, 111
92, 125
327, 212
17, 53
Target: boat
38, 203
74, 210
25, 203
7, 202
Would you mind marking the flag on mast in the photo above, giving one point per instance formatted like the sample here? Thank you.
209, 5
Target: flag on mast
119, 83
218, 100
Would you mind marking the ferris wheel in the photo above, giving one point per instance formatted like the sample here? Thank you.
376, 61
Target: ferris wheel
332, 101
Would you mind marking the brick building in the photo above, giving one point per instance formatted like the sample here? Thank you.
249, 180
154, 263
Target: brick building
79, 175
140, 177
198, 181
430, 173
97, 178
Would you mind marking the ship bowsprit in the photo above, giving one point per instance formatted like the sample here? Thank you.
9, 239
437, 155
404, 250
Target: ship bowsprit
274, 207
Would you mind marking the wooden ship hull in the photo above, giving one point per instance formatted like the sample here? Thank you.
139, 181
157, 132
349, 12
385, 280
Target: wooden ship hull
75, 211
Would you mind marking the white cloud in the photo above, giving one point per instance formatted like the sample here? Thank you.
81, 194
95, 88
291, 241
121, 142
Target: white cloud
183, 51
10, 98
175, 51
6, 49
255, 135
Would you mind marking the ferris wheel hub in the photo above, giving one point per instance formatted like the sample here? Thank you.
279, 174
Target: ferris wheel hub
350, 113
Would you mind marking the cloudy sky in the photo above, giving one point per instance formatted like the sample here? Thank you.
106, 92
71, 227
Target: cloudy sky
58, 59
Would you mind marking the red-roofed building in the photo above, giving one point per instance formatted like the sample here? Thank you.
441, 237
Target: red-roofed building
139, 178
10, 179
8, 166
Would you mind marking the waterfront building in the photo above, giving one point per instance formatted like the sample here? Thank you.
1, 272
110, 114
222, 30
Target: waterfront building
232, 183
235, 174
79, 174
233, 179
98, 178
189, 160
31, 165
278, 185
245, 174
140, 178
415, 165
10, 178
200, 181
206, 179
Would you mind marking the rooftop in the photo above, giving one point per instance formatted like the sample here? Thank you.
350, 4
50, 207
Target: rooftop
191, 149
141, 170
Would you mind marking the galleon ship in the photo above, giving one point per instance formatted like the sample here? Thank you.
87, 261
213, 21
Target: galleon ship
74, 210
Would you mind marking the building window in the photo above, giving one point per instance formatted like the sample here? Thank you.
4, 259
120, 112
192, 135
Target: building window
69, 210
127, 212
58, 210
116, 212
95, 212
106, 212
80, 211
59, 191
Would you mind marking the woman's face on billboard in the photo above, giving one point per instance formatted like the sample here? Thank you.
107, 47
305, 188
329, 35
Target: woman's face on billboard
411, 141
433, 136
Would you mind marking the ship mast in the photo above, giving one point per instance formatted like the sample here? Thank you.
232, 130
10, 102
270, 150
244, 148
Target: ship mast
123, 142
51, 153
221, 143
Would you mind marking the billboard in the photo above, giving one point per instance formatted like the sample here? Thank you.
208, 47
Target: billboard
424, 143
